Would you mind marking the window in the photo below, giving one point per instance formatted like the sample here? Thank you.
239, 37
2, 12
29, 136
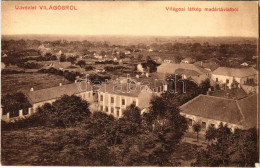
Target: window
106, 109
190, 122
216, 79
101, 97
101, 108
134, 102
203, 125
112, 110
123, 101
112, 99
227, 80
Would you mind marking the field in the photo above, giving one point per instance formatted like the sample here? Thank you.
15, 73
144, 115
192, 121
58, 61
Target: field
44, 146
11, 83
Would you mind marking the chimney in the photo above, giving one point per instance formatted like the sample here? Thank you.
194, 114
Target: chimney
60, 84
31, 89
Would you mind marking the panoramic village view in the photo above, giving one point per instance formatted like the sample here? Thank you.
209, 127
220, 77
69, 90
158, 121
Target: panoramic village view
128, 100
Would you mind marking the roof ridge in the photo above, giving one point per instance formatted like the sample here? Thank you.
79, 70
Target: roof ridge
240, 111
247, 96
219, 97
50, 87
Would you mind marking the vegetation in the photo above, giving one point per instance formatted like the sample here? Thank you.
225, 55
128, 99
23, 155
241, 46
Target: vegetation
71, 76
227, 148
197, 128
12, 103
205, 85
100, 139
81, 63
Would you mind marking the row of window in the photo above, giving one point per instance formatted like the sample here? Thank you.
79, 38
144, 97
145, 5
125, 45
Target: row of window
112, 110
227, 80
203, 124
84, 96
112, 100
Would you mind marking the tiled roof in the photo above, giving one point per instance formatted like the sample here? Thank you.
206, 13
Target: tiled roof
124, 89
235, 72
209, 65
187, 72
214, 108
56, 92
171, 68
248, 107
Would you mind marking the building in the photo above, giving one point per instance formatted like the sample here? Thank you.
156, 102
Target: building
56, 64
168, 61
211, 111
188, 71
225, 76
245, 64
37, 98
187, 60
113, 98
207, 65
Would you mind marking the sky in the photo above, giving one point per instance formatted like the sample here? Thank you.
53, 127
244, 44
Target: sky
131, 18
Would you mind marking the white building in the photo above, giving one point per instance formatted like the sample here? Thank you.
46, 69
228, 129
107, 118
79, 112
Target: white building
211, 111
114, 98
226, 76
37, 98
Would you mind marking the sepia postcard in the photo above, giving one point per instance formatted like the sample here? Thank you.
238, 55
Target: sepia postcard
130, 83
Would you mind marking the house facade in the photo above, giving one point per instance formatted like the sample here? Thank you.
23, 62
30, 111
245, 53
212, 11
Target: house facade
37, 98
114, 98
226, 76
211, 111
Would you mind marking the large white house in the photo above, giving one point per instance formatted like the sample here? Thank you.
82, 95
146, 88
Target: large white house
226, 76
113, 98
211, 111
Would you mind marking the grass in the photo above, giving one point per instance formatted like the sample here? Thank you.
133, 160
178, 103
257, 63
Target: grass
12, 83
45, 146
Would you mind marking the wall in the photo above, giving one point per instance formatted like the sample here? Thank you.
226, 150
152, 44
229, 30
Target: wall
208, 122
13, 119
222, 79
117, 105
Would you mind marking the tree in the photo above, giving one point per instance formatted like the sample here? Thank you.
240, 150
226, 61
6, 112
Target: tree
165, 121
81, 63
204, 86
72, 60
66, 111
229, 149
197, 128
139, 57
62, 58
12, 103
